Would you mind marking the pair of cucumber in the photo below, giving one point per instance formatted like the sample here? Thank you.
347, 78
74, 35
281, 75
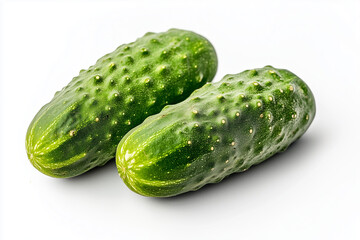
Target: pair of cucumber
177, 131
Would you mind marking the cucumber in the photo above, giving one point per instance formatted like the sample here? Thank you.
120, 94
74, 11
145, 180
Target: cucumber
82, 125
222, 128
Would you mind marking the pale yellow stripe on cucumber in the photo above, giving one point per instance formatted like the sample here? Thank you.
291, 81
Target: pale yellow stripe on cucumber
159, 183
49, 128
38, 147
63, 163
55, 144
29, 139
154, 160
148, 139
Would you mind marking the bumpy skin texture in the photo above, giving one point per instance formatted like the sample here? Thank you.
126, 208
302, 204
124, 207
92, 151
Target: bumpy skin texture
222, 128
84, 122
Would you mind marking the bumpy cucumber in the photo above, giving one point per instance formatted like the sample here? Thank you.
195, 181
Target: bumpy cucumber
222, 128
81, 126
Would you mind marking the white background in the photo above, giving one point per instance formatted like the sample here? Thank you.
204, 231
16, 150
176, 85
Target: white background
311, 191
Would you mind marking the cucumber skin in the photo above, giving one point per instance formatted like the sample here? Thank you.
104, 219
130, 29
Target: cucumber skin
81, 126
222, 128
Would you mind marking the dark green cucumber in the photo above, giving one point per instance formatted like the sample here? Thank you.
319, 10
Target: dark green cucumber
222, 128
81, 126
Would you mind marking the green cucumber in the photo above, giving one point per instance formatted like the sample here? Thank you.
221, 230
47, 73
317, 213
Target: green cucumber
82, 125
222, 128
